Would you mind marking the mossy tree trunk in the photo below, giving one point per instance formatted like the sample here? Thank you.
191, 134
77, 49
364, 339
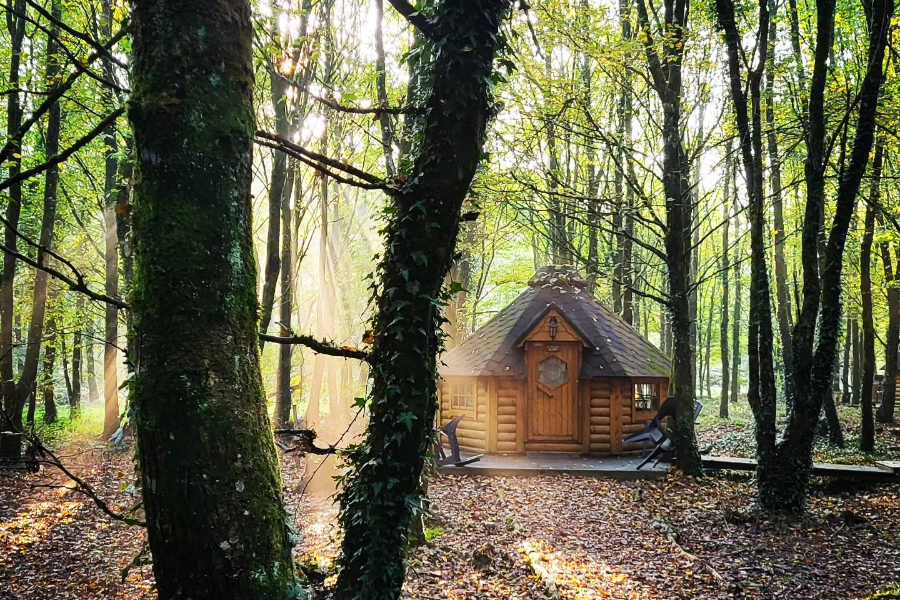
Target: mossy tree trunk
212, 495
11, 405
383, 488
784, 475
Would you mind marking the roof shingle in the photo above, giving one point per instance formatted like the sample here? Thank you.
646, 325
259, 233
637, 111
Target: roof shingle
618, 350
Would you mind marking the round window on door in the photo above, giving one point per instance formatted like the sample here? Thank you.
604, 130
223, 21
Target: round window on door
553, 372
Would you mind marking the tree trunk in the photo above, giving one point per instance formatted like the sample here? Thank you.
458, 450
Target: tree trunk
420, 240
90, 368
28, 378
65, 369
283, 386
77, 340
667, 83
785, 479
889, 396
845, 373
725, 268
706, 356
782, 297
47, 380
867, 433
835, 433
736, 334
856, 373
11, 404
212, 495
111, 314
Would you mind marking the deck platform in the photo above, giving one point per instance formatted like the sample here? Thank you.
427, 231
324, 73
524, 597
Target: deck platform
625, 467
523, 465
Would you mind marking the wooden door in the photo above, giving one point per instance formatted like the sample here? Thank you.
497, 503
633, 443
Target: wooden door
553, 370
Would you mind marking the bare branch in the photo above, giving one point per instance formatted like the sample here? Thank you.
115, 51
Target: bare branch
318, 346
74, 285
49, 458
321, 163
102, 49
307, 444
62, 156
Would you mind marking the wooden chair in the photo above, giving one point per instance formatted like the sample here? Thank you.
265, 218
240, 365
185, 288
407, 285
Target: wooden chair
449, 431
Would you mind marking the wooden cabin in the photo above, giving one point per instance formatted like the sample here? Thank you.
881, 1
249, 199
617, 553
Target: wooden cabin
555, 371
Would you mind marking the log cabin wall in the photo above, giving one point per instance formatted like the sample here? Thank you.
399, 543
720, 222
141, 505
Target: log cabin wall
611, 415
496, 421
509, 391
600, 415
631, 422
472, 431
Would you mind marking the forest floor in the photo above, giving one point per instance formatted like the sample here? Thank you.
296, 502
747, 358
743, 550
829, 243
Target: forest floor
592, 538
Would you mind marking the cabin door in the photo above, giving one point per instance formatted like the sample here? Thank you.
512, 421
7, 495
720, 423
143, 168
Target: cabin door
552, 416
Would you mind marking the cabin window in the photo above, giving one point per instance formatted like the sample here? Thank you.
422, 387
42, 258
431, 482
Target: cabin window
553, 372
462, 396
646, 397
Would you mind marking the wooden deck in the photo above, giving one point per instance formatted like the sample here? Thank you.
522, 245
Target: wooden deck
883, 471
625, 467
533, 464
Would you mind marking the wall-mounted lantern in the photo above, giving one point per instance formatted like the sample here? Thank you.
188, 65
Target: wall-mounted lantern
554, 326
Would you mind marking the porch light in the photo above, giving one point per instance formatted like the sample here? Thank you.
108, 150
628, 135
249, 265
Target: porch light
554, 325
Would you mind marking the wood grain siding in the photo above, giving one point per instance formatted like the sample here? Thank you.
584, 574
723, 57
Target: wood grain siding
633, 421
509, 390
553, 400
599, 415
472, 430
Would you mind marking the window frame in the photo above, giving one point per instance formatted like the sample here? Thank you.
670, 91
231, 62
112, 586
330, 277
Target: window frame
645, 415
453, 385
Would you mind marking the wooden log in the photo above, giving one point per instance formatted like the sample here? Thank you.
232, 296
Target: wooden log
506, 446
597, 447
506, 427
471, 425
599, 429
506, 436
600, 420
600, 403
615, 426
503, 409
602, 438
633, 428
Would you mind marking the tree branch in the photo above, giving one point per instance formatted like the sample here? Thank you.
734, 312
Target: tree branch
102, 49
15, 141
62, 156
415, 19
75, 286
318, 346
49, 458
307, 442
320, 158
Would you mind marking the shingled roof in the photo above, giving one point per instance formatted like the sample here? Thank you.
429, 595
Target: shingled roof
616, 349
